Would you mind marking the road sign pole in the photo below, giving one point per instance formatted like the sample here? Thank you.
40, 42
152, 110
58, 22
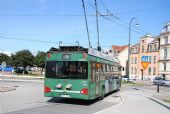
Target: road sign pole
158, 88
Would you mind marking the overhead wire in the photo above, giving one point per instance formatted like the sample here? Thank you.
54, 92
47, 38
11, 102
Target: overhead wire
42, 41
142, 10
38, 41
121, 20
106, 17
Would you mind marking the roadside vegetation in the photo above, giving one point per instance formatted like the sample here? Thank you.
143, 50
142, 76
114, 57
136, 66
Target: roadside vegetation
167, 100
132, 83
24, 59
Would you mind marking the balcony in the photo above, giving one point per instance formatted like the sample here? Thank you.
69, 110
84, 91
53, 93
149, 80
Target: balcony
165, 44
164, 59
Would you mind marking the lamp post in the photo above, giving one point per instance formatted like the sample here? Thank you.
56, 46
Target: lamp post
130, 24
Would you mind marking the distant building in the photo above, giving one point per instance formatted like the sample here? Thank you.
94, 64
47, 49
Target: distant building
121, 52
164, 62
144, 58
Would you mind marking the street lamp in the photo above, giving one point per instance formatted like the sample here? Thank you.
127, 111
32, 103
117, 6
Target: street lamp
130, 24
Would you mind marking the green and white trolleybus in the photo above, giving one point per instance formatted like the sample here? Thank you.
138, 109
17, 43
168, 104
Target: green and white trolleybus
80, 73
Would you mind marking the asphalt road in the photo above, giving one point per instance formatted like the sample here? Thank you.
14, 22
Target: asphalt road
28, 99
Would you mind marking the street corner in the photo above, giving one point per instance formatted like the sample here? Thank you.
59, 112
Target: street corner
6, 89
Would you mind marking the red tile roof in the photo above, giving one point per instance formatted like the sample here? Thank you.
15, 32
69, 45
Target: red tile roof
119, 48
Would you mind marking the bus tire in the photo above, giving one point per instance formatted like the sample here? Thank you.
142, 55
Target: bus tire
102, 93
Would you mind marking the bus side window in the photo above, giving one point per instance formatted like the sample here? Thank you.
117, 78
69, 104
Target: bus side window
93, 72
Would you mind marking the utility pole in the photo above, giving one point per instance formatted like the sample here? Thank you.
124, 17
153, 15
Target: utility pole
98, 46
86, 24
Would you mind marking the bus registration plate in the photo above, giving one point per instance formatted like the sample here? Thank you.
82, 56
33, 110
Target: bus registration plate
66, 96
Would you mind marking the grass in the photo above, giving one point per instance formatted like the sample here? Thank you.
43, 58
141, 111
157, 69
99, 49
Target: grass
132, 83
30, 75
167, 100
34, 73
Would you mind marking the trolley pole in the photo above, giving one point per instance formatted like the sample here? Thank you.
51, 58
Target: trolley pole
97, 23
87, 29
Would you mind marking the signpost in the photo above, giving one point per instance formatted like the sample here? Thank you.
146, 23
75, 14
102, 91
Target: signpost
145, 62
3, 65
144, 65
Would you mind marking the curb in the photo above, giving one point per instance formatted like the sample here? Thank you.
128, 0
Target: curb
162, 103
20, 77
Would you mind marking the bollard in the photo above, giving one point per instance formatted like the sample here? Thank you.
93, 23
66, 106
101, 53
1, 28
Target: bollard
158, 88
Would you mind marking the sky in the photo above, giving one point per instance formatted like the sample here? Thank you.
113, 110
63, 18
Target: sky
38, 25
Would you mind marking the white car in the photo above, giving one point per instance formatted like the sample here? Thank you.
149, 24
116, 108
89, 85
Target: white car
161, 81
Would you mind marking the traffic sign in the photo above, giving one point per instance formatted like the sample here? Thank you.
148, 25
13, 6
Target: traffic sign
3, 65
144, 58
144, 64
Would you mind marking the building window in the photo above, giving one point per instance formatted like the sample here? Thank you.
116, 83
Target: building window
132, 70
154, 59
123, 68
150, 48
135, 70
166, 40
132, 60
164, 64
136, 50
165, 53
154, 71
149, 70
142, 49
135, 60
142, 41
155, 47
166, 28
150, 59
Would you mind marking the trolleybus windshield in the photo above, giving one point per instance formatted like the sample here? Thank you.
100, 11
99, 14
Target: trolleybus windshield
66, 69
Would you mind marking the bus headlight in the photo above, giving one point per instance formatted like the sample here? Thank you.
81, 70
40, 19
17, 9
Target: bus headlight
68, 86
59, 86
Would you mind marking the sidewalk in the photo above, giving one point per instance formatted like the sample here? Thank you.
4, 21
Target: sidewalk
138, 103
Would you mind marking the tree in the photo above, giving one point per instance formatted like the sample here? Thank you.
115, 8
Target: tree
23, 59
6, 58
40, 60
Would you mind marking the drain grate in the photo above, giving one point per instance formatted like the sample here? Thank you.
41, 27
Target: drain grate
135, 88
15, 86
115, 96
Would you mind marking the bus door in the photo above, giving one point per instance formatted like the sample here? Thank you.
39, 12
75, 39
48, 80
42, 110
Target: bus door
97, 81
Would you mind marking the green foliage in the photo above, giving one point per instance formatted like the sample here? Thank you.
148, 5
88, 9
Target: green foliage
6, 58
167, 100
40, 59
23, 58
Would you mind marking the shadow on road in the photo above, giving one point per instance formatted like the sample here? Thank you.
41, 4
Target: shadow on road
78, 101
72, 101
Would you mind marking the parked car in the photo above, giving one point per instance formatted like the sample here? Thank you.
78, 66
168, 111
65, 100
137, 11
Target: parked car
125, 78
20, 70
161, 81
